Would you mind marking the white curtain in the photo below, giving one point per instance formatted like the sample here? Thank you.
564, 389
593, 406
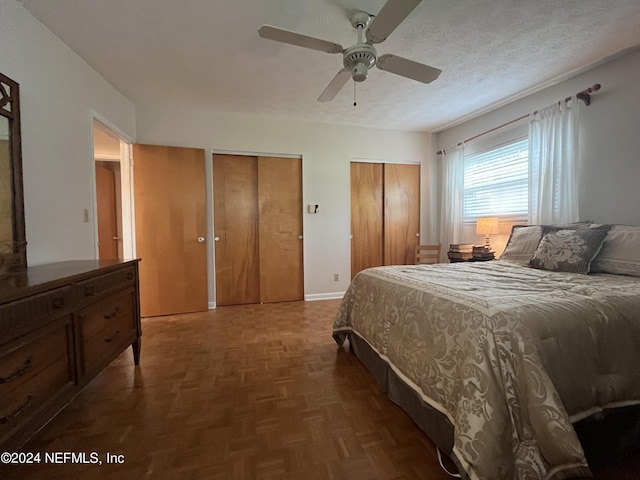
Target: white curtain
451, 211
553, 157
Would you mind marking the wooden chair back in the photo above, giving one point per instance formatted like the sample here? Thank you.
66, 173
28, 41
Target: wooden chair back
426, 254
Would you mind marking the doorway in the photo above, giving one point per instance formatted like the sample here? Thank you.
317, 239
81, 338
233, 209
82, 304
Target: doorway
113, 207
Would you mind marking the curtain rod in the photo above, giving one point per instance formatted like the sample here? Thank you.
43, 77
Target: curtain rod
584, 95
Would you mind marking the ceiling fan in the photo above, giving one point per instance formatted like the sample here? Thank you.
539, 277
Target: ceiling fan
362, 56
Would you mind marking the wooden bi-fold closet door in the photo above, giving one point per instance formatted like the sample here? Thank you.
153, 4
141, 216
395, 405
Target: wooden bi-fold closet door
280, 229
385, 214
366, 216
169, 191
257, 229
235, 226
401, 213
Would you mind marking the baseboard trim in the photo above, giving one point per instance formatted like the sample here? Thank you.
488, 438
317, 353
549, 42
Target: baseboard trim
307, 298
312, 297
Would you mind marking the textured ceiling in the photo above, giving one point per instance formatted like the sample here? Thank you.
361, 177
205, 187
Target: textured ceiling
207, 53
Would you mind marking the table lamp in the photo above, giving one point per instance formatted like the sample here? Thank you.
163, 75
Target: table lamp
487, 226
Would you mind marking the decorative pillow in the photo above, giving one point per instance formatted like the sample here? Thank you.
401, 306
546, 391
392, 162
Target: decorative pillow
524, 240
522, 243
565, 249
620, 252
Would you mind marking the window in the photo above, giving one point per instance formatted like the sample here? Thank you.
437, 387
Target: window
496, 182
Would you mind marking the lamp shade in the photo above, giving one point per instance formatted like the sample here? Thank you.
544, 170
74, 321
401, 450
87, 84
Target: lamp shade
487, 226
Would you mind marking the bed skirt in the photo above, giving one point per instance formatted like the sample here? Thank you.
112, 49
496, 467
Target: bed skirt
435, 424
607, 437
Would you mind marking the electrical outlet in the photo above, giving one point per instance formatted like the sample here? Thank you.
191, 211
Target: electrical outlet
85, 215
336, 277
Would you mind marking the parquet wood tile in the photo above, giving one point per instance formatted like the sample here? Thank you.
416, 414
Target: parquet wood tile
241, 392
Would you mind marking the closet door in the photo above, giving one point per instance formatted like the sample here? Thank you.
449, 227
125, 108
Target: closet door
366, 216
280, 229
401, 213
258, 229
235, 190
169, 193
385, 214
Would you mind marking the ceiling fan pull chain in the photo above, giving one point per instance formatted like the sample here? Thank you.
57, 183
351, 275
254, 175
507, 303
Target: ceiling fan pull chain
354, 94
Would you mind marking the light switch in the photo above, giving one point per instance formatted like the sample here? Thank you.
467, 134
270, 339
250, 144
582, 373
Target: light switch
315, 208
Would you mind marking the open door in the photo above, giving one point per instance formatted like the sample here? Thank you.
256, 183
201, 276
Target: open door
170, 219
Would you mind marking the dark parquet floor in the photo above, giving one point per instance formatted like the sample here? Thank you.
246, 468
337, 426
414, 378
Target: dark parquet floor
243, 392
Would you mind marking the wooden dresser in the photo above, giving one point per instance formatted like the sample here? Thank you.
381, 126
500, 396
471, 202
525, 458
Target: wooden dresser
60, 325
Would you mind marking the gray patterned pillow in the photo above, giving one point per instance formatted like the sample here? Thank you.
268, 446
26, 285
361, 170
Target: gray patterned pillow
572, 250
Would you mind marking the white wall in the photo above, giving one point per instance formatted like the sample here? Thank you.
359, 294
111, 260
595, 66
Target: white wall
609, 171
326, 151
57, 92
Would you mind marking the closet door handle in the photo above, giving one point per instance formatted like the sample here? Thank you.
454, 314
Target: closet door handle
300, 237
217, 239
200, 239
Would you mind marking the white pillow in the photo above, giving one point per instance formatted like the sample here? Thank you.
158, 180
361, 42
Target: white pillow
522, 243
620, 252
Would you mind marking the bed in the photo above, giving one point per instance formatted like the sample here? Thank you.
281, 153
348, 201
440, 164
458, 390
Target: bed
496, 361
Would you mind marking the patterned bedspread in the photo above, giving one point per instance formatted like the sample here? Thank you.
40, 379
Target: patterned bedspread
511, 355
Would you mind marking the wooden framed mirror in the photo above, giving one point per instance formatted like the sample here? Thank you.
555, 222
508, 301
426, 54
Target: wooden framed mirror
13, 245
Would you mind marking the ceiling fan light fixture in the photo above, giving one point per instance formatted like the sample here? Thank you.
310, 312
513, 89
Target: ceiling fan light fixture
359, 73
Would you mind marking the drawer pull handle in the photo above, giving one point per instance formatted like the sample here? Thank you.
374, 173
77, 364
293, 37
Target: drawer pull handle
89, 290
21, 409
110, 339
19, 371
111, 316
59, 303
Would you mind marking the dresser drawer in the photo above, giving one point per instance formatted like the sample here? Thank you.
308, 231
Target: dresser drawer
107, 327
25, 315
33, 372
100, 286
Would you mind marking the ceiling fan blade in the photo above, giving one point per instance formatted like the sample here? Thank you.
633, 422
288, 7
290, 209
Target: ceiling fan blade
335, 85
408, 68
293, 38
392, 14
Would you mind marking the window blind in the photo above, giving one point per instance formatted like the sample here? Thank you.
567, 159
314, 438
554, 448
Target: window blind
496, 182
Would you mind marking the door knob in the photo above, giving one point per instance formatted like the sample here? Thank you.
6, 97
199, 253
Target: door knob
200, 239
217, 239
417, 234
299, 237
